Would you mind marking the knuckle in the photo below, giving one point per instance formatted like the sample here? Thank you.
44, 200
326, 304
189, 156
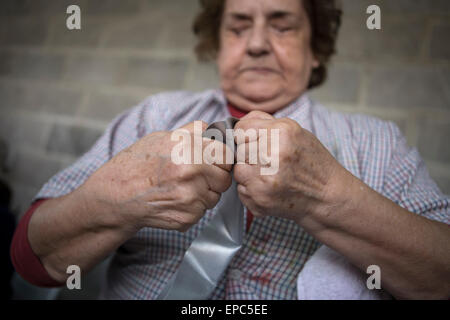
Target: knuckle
185, 221
257, 113
183, 228
263, 200
289, 121
288, 125
284, 125
199, 205
189, 196
177, 222
268, 180
186, 171
284, 154
204, 124
189, 220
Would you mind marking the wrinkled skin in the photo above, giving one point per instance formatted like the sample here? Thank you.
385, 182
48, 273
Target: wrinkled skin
265, 58
141, 184
265, 61
306, 177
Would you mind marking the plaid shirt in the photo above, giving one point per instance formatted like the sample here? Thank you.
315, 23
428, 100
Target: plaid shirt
274, 250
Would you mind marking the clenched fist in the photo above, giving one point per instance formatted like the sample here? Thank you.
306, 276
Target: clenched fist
143, 187
307, 175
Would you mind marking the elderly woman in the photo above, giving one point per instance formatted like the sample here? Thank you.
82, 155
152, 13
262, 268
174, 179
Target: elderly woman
347, 181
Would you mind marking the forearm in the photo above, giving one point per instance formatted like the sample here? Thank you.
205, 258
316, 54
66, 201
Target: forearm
412, 252
70, 231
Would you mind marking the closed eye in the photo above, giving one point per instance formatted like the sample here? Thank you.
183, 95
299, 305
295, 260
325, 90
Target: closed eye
283, 29
238, 31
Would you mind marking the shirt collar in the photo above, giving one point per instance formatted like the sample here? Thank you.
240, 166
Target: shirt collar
298, 110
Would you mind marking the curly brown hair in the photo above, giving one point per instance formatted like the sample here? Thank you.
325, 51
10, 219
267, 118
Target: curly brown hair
324, 17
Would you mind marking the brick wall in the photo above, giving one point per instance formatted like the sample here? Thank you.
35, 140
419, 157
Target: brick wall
60, 88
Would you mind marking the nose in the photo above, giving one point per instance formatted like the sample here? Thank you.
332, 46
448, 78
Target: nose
258, 44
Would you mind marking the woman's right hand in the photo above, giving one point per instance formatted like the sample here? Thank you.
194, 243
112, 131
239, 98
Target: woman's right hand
142, 187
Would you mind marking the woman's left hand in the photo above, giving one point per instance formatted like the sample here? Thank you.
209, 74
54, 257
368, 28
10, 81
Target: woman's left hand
306, 180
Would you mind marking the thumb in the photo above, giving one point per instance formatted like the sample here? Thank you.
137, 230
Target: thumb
197, 126
256, 114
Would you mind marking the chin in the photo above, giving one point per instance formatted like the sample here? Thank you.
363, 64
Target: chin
259, 93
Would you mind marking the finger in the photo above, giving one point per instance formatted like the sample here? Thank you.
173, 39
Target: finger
247, 200
212, 198
247, 153
261, 152
218, 154
250, 123
245, 135
243, 173
249, 129
257, 114
206, 197
217, 179
193, 145
197, 127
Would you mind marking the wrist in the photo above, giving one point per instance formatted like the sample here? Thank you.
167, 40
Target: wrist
103, 215
339, 201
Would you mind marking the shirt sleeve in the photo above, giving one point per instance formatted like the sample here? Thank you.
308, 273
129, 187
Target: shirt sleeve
408, 183
122, 132
25, 262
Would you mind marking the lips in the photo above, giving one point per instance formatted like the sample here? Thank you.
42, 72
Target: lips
259, 69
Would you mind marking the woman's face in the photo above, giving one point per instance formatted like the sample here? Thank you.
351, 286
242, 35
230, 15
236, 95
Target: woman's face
265, 59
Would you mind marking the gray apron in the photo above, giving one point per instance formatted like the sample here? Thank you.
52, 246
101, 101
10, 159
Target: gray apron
206, 260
